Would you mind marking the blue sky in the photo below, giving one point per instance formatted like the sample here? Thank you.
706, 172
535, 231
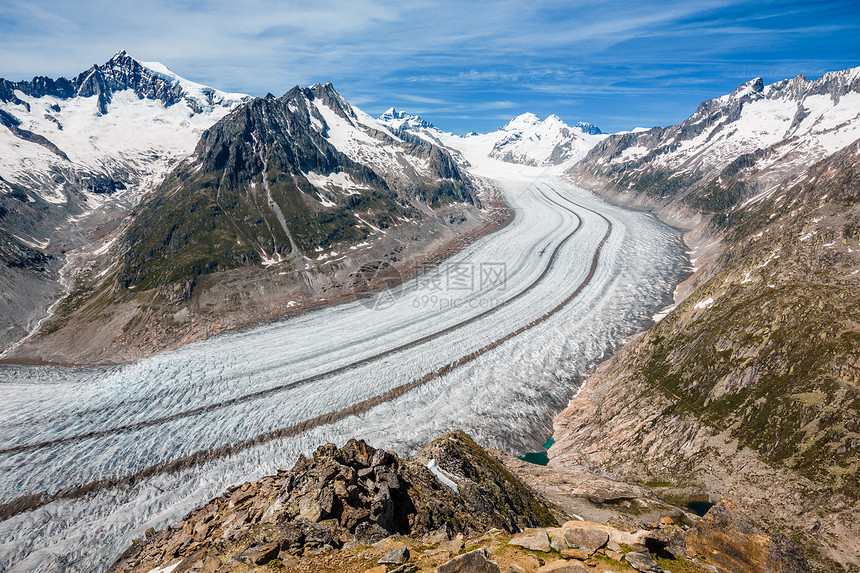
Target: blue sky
463, 65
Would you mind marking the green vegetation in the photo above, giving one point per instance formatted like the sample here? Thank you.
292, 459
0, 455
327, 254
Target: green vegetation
775, 361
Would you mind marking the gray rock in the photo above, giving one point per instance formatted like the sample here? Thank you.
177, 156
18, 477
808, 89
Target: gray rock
395, 557
260, 554
642, 562
446, 550
558, 543
563, 566
477, 561
436, 537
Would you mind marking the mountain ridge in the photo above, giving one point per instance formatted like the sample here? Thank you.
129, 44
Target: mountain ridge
293, 193
75, 156
748, 384
525, 139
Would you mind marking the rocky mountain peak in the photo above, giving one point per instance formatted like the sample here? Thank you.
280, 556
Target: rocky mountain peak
588, 128
148, 80
751, 87
331, 98
402, 120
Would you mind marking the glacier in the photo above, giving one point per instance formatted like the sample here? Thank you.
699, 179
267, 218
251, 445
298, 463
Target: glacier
92, 457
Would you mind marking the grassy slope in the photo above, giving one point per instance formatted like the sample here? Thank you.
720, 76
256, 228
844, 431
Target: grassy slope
776, 358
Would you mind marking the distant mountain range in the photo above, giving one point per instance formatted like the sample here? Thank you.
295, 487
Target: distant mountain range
525, 139
733, 147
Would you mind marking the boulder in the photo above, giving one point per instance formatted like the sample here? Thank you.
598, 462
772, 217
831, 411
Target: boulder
616, 536
558, 543
534, 539
398, 556
436, 537
585, 538
446, 550
477, 561
642, 562
210, 565
260, 554
515, 567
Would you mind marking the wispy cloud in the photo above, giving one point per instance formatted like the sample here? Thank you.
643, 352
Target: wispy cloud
457, 62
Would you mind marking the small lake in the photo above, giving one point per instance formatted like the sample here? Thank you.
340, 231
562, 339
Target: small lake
538, 458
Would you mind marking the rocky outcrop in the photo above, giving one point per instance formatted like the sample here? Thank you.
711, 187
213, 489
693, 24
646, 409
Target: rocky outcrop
733, 542
338, 498
356, 509
485, 482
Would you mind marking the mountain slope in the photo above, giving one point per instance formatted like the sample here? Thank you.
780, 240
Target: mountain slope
75, 155
750, 387
704, 164
282, 202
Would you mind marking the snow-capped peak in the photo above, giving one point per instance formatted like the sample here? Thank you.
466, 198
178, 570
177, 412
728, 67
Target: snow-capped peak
122, 124
588, 128
204, 96
755, 85
522, 121
775, 130
530, 140
402, 120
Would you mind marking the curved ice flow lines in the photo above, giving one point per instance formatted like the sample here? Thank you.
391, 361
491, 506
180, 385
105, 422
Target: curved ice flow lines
145, 478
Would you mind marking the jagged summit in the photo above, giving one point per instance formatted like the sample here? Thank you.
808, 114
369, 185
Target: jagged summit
148, 80
588, 128
402, 120
753, 86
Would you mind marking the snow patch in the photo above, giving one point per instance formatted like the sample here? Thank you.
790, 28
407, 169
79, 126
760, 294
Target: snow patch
442, 475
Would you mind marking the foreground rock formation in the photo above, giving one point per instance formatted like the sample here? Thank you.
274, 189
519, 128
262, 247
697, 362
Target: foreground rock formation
452, 508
